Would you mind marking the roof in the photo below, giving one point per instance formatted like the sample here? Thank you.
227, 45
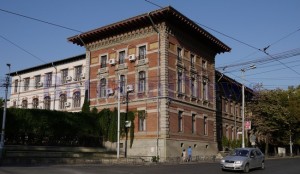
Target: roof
47, 65
229, 85
167, 14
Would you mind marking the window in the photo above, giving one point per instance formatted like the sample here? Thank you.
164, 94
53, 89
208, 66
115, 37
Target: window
227, 132
24, 104
103, 61
231, 108
193, 123
37, 80
192, 60
142, 120
193, 87
48, 79
121, 57
232, 133
26, 84
62, 101
204, 64
76, 99
142, 52
179, 54
16, 86
226, 106
236, 110
64, 75
179, 81
205, 125
78, 71
205, 90
122, 84
142, 81
35, 103
47, 102
102, 88
180, 121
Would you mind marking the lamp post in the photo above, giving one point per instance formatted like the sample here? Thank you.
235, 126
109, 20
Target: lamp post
243, 104
4, 112
118, 137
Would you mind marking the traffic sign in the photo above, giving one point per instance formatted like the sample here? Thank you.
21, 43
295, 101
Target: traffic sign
247, 125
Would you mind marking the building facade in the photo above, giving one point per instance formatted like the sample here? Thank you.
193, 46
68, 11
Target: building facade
163, 64
58, 85
229, 109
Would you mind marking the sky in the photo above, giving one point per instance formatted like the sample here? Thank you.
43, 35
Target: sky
246, 26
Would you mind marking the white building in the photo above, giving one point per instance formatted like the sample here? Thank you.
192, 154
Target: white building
58, 85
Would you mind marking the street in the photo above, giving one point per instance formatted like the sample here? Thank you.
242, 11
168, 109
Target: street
273, 166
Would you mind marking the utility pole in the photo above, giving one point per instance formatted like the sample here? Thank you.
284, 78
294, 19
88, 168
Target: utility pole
243, 104
4, 112
118, 142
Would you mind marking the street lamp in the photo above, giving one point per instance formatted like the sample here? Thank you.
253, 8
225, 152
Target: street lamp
4, 112
243, 103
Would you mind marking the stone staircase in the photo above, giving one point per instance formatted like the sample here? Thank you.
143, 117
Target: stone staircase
46, 155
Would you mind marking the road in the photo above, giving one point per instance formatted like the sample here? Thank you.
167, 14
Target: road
273, 166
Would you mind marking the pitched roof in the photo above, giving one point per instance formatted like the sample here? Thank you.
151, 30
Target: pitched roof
47, 65
168, 14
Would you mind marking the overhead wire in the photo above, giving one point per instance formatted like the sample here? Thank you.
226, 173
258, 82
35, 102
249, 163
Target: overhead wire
39, 20
16, 45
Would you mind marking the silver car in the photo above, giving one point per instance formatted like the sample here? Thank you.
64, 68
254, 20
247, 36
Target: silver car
243, 159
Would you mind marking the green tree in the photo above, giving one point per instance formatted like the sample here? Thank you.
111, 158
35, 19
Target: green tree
293, 116
86, 104
1, 102
269, 115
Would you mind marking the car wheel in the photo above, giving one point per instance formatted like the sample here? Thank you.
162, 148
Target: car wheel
262, 167
246, 168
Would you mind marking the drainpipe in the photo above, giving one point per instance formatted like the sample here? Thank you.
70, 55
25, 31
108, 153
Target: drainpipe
158, 82
19, 88
54, 85
87, 81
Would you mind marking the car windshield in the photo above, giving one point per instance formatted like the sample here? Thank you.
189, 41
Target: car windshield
239, 152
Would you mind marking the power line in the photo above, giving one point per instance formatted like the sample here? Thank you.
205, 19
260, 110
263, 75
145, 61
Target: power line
39, 20
288, 35
22, 49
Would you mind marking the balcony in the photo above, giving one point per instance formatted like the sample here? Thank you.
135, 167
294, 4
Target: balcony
121, 66
141, 62
103, 70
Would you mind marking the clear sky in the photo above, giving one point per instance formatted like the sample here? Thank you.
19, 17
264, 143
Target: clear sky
243, 25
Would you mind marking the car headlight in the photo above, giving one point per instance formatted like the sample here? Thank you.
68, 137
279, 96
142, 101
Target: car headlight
238, 162
222, 161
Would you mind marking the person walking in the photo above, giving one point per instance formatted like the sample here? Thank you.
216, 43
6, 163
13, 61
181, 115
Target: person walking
183, 155
189, 151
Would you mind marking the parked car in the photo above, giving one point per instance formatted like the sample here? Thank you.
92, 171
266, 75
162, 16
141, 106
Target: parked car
243, 159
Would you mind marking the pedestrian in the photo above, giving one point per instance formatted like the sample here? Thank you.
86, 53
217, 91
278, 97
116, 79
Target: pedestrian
183, 155
189, 151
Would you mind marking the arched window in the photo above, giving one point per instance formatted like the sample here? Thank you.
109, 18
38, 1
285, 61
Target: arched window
62, 101
35, 103
24, 104
76, 99
142, 81
103, 88
47, 102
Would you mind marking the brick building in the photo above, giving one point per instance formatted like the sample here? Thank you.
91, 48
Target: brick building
229, 108
165, 66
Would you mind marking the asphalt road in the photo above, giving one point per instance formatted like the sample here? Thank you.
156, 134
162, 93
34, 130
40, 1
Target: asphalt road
273, 166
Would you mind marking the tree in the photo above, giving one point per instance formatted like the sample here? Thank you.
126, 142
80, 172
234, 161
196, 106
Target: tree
269, 115
293, 116
86, 104
1, 102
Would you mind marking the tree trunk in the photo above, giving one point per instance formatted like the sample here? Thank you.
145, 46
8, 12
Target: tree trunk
267, 146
